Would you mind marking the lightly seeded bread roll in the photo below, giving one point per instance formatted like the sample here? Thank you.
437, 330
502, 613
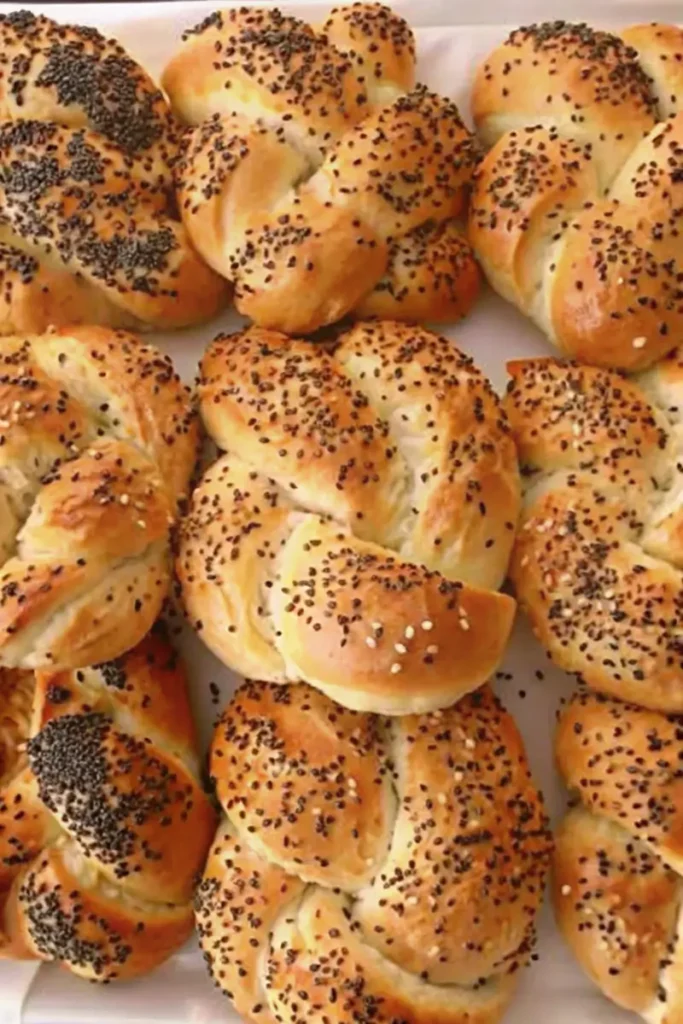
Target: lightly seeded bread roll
355, 530
390, 868
98, 440
318, 178
103, 822
87, 230
574, 214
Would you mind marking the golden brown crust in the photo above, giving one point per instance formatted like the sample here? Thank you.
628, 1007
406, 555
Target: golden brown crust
432, 276
103, 822
574, 214
660, 52
330, 826
97, 444
344, 484
617, 887
441, 932
617, 906
586, 83
380, 41
310, 161
75, 186
597, 561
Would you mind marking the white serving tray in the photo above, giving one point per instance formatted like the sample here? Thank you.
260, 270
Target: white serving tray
452, 36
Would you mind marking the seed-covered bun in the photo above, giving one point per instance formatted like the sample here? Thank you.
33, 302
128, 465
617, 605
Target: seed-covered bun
318, 178
598, 558
97, 444
574, 210
356, 530
370, 862
103, 823
619, 858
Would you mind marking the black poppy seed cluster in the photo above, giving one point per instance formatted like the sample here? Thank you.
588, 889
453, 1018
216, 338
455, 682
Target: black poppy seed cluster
102, 828
433, 248
457, 868
73, 196
76, 67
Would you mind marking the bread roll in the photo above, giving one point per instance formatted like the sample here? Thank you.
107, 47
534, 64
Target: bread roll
317, 178
598, 560
617, 885
574, 211
364, 862
355, 531
103, 822
98, 440
88, 233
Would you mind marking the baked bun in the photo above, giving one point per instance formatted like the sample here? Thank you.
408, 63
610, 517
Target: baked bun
394, 864
84, 240
598, 559
355, 530
574, 213
318, 179
619, 855
96, 873
98, 441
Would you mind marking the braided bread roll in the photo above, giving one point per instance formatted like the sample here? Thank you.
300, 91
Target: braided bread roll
391, 867
619, 855
365, 509
87, 145
318, 179
103, 822
98, 440
598, 558
574, 214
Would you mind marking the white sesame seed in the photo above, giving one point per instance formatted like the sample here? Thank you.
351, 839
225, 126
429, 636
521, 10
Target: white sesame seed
376, 625
316, 812
352, 782
464, 624
475, 823
639, 342
577, 429
442, 799
566, 890
470, 744
124, 499
458, 776
427, 625
400, 648
395, 668
434, 951
370, 641
525, 561
410, 632
432, 649
411, 901
567, 613
141, 523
